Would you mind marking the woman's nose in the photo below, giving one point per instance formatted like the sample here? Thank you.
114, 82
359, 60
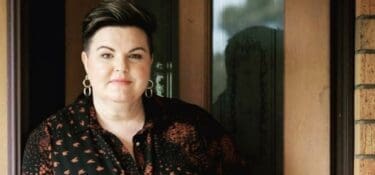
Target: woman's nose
121, 65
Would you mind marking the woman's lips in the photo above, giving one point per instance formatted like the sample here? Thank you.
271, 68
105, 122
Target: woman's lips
121, 81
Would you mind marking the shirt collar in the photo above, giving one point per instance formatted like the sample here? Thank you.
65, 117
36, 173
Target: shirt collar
82, 114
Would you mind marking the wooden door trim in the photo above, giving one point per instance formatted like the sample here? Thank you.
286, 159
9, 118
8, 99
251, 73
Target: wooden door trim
342, 89
195, 52
14, 90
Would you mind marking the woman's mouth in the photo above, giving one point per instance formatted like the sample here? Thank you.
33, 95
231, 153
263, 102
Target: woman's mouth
121, 81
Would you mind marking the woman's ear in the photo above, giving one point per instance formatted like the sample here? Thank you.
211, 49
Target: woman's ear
84, 60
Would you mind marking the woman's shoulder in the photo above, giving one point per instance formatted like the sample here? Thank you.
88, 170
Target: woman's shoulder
179, 111
66, 118
178, 106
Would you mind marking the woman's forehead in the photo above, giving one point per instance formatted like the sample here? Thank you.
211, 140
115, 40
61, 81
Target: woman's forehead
120, 32
119, 37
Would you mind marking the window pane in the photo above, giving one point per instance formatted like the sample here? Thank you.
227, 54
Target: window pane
247, 78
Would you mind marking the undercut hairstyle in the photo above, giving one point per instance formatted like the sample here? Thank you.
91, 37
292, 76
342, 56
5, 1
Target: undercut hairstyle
117, 13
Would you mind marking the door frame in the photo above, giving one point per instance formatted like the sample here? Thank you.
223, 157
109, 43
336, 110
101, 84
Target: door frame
342, 86
195, 28
14, 86
194, 88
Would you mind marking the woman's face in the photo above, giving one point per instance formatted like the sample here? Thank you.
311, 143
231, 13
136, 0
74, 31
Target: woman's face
118, 63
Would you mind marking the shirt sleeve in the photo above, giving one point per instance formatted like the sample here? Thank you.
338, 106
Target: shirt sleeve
221, 145
232, 163
37, 152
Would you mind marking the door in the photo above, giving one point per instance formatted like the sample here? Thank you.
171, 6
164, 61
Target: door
241, 81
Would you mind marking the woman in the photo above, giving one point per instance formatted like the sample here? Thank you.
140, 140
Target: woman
119, 126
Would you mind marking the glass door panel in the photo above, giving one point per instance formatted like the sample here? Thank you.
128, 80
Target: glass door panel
247, 63
164, 69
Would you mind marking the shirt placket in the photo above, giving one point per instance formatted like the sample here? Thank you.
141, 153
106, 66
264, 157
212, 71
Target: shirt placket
140, 152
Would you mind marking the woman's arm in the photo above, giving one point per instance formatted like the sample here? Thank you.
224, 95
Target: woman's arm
232, 163
37, 153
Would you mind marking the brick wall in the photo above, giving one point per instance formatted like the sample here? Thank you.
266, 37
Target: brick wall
365, 88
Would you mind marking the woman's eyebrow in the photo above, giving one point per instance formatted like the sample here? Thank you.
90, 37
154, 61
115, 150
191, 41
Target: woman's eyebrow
105, 47
137, 48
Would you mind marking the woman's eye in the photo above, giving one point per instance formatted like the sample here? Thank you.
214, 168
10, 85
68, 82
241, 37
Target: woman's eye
135, 56
106, 55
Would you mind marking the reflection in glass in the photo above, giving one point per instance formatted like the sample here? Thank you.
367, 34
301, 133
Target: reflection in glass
163, 77
247, 78
165, 42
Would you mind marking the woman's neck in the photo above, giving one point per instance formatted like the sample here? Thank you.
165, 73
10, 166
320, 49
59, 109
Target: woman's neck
121, 119
108, 111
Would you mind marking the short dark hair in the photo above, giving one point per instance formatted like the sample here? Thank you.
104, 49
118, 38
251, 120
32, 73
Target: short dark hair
117, 13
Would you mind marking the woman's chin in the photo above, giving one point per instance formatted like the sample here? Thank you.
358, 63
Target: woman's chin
123, 98
116, 96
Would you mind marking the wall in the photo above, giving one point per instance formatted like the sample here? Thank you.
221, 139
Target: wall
365, 88
307, 108
3, 87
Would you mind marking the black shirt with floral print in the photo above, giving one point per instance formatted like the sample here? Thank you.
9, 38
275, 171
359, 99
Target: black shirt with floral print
177, 138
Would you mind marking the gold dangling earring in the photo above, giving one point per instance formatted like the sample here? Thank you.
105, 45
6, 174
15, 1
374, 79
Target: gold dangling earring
86, 86
149, 92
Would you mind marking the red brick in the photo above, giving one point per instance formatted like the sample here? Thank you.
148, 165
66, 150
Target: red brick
364, 138
365, 7
365, 69
364, 167
365, 34
364, 104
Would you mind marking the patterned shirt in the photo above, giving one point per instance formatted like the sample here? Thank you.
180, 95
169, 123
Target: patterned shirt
177, 138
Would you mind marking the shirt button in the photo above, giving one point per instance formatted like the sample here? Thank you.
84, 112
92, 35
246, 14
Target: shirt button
137, 143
